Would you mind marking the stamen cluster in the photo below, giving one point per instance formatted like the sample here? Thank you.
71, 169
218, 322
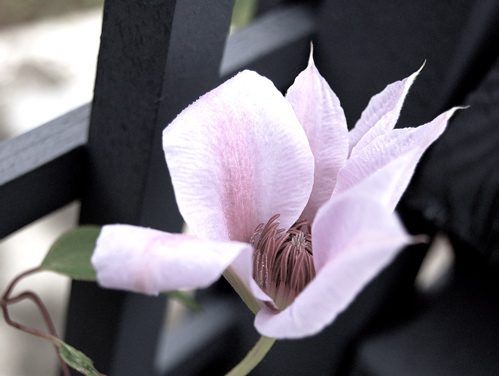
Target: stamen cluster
282, 262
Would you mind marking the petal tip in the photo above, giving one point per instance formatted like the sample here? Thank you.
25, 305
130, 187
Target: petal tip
311, 55
410, 80
421, 67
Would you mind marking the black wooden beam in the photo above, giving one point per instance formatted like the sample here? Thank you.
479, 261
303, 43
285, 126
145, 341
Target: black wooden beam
275, 45
155, 58
132, 56
42, 170
197, 41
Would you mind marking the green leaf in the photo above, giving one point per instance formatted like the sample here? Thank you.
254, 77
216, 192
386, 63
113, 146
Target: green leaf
186, 299
77, 360
70, 254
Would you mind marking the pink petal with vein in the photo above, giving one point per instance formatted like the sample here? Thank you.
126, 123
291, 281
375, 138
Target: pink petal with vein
381, 113
386, 165
149, 261
237, 156
390, 182
357, 237
321, 115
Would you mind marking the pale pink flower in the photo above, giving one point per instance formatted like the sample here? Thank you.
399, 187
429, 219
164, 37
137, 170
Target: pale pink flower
296, 210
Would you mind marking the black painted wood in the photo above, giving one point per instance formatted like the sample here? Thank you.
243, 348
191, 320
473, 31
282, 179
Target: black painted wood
155, 58
208, 342
51, 151
42, 170
132, 56
122, 127
275, 45
196, 48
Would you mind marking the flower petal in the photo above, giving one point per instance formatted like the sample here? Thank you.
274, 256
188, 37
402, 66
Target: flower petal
386, 165
358, 237
151, 261
390, 182
381, 113
321, 115
243, 267
237, 156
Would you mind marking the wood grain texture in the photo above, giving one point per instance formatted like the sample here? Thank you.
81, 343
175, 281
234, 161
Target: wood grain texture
155, 58
132, 56
195, 47
134, 46
42, 170
31, 157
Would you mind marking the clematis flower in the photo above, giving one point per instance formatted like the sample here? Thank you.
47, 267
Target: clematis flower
294, 210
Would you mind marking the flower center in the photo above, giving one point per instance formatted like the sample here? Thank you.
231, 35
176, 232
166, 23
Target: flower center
282, 262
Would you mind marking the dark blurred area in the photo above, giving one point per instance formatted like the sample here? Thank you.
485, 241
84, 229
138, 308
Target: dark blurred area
454, 328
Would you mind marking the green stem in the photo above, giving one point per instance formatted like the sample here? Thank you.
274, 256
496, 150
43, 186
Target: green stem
253, 358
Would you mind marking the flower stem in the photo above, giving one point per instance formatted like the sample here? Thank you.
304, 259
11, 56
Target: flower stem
253, 358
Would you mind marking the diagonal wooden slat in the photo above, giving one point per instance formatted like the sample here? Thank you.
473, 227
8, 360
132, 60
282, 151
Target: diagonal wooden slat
42, 170
275, 45
53, 151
